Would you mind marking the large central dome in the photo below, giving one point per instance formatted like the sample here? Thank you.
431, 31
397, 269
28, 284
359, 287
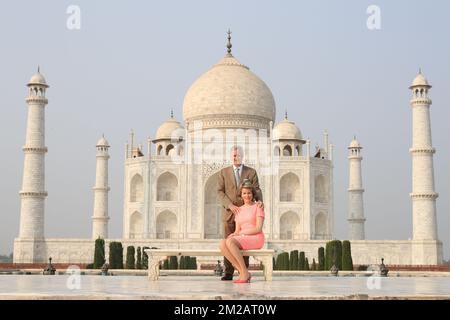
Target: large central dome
229, 95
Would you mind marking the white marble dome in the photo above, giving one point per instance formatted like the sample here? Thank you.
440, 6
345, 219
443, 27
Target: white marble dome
229, 88
287, 130
102, 142
354, 144
420, 80
169, 128
38, 78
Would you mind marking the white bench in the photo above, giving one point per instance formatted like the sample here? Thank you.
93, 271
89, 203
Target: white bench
155, 256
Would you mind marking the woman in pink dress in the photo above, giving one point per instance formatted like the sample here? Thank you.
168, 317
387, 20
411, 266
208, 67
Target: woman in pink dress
248, 234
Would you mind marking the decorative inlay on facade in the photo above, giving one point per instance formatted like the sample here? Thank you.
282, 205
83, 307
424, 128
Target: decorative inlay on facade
24, 194
431, 196
34, 150
422, 150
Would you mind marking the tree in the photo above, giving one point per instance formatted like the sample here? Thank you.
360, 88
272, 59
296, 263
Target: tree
115, 255
306, 264
314, 265
130, 262
138, 258
99, 253
173, 262
301, 261
333, 254
293, 259
347, 262
321, 258
144, 258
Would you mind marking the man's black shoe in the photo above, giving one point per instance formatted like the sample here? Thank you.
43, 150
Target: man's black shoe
227, 277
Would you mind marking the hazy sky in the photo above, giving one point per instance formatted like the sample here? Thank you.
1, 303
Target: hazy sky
132, 61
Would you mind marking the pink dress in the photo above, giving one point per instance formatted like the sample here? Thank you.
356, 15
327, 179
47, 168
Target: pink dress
247, 220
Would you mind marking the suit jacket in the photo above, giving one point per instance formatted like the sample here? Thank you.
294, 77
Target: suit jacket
228, 192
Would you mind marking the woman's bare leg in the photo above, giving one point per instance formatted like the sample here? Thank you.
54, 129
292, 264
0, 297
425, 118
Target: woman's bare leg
234, 248
227, 254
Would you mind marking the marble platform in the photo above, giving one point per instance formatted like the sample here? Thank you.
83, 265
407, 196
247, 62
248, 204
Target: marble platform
210, 287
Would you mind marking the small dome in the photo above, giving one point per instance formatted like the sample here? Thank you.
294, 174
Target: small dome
354, 144
38, 78
167, 129
287, 130
420, 80
102, 142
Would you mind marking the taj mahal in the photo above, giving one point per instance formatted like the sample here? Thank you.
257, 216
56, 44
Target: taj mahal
170, 186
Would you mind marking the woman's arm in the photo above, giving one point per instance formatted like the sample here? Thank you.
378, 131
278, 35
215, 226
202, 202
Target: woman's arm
237, 229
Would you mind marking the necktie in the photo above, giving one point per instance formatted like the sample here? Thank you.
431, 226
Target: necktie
237, 176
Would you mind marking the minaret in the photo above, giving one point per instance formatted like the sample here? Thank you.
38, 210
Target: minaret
33, 192
355, 193
423, 195
100, 217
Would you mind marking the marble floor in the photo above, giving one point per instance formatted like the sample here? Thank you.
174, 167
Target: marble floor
210, 287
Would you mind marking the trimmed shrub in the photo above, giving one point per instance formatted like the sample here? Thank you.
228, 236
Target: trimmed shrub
306, 264
321, 258
333, 254
193, 263
115, 255
182, 264
138, 258
90, 266
274, 264
130, 262
99, 253
301, 261
144, 258
293, 260
165, 264
314, 265
283, 261
347, 263
173, 262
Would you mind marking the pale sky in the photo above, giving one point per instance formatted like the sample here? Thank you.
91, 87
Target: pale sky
131, 62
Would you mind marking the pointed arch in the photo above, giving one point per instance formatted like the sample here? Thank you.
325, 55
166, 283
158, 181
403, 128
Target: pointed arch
169, 148
166, 225
320, 226
289, 226
137, 188
290, 187
136, 225
320, 189
167, 187
287, 151
212, 210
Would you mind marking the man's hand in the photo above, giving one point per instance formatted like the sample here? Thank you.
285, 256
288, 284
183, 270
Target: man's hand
260, 204
234, 209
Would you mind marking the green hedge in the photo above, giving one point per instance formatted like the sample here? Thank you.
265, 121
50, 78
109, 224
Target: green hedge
144, 258
130, 262
293, 260
301, 261
333, 254
321, 255
138, 258
115, 255
347, 262
99, 253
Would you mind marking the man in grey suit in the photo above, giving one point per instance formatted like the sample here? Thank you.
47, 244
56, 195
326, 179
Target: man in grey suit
228, 187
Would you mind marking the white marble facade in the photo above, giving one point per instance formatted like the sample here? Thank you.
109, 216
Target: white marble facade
170, 189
